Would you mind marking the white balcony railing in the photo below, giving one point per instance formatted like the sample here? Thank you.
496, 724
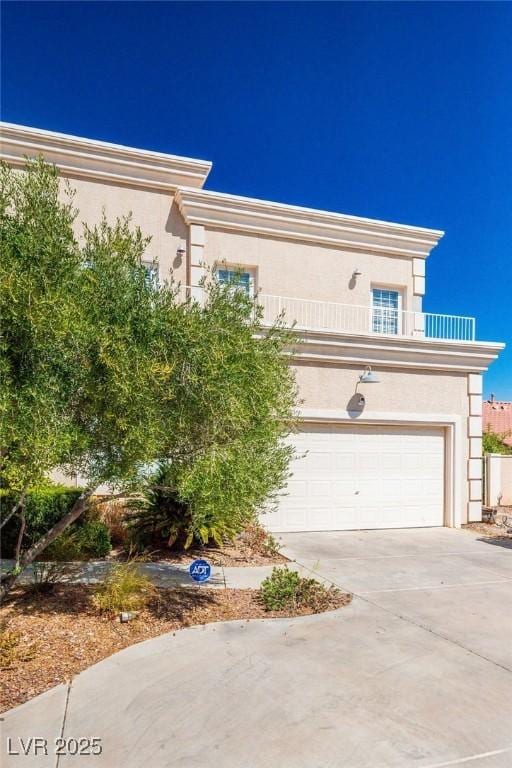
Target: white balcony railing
349, 318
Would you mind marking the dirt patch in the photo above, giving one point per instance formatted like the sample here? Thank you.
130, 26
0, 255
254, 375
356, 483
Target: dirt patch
66, 634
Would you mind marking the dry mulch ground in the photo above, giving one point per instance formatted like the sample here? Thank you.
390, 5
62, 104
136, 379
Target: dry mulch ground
491, 530
237, 554
243, 552
66, 634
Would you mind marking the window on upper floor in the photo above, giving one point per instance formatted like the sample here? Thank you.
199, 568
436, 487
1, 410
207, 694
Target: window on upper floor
386, 311
240, 279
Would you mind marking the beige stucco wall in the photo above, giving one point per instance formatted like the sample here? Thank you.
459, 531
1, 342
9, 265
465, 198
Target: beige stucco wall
285, 268
331, 386
152, 210
498, 480
308, 270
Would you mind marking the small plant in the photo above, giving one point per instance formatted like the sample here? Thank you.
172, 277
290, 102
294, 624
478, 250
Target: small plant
287, 590
12, 649
259, 540
57, 565
493, 442
271, 546
124, 589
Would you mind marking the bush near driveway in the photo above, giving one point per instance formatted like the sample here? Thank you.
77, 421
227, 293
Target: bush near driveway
287, 590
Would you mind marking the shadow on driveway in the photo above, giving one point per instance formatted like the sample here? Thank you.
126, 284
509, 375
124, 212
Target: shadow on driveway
498, 541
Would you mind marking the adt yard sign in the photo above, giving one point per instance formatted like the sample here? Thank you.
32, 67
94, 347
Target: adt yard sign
200, 570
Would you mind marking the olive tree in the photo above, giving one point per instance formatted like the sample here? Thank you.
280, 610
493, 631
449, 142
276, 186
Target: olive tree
39, 329
104, 371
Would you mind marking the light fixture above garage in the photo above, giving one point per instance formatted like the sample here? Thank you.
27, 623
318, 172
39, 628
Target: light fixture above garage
369, 377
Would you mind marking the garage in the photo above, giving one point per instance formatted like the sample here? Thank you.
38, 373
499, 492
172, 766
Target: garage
356, 476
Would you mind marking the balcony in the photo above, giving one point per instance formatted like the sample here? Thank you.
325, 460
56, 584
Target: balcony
309, 315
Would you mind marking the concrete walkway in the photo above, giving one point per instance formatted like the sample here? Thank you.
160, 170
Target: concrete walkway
165, 574
417, 671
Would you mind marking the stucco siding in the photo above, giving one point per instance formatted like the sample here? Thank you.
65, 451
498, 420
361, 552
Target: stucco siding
309, 271
331, 386
152, 210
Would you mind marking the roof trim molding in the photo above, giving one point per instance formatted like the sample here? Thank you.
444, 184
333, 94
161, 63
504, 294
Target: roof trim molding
100, 160
223, 211
432, 355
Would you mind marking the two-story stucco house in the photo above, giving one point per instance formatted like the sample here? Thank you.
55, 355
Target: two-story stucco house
402, 450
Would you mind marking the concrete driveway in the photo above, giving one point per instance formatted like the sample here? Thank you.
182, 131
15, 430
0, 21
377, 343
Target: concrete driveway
447, 581
417, 671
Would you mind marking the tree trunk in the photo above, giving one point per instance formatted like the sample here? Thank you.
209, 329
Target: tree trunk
17, 506
23, 524
9, 580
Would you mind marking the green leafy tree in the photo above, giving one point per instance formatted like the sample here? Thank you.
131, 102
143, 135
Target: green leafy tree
39, 260
235, 397
494, 443
104, 371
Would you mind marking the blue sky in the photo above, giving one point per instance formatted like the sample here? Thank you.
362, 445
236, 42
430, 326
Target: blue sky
400, 111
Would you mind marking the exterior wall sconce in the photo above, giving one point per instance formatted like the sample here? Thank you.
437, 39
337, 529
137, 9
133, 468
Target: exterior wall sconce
368, 376
356, 273
180, 252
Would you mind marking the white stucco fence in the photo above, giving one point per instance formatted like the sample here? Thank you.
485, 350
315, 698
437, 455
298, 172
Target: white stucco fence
498, 475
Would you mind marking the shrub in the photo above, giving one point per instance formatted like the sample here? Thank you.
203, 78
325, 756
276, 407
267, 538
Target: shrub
43, 508
260, 540
287, 590
12, 649
124, 589
92, 539
495, 443
158, 517
161, 517
113, 514
57, 565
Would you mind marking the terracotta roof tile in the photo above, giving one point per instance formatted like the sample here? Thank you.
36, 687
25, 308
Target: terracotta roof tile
497, 417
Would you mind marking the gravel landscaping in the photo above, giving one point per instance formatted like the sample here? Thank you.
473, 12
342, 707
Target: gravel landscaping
61, 633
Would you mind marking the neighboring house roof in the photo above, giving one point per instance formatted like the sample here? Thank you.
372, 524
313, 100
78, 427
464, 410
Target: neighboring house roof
497, 418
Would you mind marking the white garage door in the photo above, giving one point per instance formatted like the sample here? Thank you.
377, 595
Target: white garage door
357, 476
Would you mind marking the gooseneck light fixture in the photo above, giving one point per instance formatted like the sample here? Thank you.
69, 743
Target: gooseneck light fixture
368, 376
